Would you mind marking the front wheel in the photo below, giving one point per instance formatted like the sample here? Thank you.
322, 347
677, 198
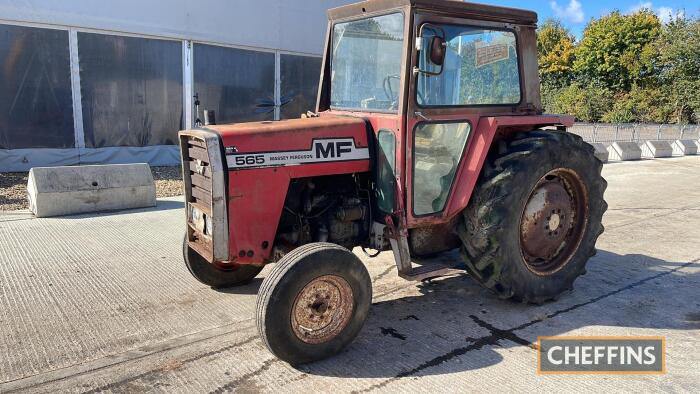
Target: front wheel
535, 216
215, 275
313, 303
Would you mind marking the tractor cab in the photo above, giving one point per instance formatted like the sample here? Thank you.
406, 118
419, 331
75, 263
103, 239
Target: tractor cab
425, 73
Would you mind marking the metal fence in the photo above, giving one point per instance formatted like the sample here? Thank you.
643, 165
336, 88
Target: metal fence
608, 133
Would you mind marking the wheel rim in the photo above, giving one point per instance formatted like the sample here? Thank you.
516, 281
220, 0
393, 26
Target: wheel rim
322, 309
553, 221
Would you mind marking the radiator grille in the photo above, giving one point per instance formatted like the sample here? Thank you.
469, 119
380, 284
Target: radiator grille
199, 193
205, 176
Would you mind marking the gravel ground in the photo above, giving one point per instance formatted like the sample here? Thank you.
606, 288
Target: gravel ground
168, 181
13, 186
13, 191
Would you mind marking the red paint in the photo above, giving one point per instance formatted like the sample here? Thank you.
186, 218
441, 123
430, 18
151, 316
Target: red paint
256, 196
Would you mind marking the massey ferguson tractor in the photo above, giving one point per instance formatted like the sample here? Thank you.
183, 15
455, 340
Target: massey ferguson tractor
428, 136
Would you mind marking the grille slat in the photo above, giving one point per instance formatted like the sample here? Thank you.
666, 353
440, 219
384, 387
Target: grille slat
201, 182
199, 143
199, 153
206, 172
201, 195
202, 207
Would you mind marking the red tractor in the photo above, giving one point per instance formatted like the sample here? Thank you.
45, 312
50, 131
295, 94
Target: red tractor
428, 136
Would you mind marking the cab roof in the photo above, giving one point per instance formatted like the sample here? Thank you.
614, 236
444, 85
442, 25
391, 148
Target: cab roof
447, 7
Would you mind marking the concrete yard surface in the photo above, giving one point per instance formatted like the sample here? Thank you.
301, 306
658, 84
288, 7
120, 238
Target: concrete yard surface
105, 304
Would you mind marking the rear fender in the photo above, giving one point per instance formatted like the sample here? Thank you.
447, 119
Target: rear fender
486, 132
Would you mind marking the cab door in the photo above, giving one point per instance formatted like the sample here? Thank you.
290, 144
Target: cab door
478, 74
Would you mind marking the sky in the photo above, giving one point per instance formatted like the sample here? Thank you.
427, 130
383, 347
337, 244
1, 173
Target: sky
575, 14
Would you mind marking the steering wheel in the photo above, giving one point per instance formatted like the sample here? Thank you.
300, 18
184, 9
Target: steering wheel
388, 91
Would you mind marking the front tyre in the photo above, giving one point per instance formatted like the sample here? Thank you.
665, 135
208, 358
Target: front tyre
313, 303
214, 275
535, 216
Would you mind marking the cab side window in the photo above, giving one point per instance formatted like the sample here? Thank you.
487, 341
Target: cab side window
480, 68
438, 149
386, 171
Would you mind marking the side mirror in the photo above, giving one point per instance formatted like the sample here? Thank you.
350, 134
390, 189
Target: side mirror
437, 51
432, 46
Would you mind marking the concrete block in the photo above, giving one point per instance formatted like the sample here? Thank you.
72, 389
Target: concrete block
601, 152
623, 151
685, 148
57, 191
656, 149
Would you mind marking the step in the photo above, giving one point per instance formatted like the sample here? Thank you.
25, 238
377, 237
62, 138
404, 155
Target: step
429, 271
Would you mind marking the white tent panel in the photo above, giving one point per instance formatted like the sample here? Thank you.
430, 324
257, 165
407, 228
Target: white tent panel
290, 25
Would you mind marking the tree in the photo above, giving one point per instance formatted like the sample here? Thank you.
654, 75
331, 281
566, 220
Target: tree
588, 103
617, 51
555, 53
678, 50
645, 105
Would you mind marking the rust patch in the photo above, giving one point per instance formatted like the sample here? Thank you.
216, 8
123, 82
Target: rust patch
553, 221
286, 126
546, 221
322, 309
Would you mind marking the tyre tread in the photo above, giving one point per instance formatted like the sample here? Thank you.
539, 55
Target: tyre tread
480, 249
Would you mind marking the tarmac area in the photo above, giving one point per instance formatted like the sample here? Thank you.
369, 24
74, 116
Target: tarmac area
104, 303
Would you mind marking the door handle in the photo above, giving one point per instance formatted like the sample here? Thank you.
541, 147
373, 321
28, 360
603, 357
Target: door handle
420, 115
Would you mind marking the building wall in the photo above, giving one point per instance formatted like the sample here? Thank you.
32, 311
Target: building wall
291, 25
86, 82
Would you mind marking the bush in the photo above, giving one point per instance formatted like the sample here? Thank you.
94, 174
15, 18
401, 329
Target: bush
644, 105
586, 103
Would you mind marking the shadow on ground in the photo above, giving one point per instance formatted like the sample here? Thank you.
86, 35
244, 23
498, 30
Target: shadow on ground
248, 288
441, 330
161, 205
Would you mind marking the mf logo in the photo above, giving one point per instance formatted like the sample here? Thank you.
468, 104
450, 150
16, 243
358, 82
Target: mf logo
332, 149
321, 151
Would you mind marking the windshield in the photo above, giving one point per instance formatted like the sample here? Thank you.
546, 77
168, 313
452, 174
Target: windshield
366, 63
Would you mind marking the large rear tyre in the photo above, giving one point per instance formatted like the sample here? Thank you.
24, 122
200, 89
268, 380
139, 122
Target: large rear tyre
313, 303
535, 216
214, 275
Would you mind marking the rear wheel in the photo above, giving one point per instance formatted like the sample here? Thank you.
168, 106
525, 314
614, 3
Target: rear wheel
217, 275
535, 216
313, 303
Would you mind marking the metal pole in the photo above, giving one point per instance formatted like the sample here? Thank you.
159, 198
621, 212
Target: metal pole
76, 93
188, 82
595, 132
278, 85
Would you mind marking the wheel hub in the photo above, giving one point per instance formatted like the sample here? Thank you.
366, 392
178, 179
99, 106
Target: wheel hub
322, 309
553, 221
